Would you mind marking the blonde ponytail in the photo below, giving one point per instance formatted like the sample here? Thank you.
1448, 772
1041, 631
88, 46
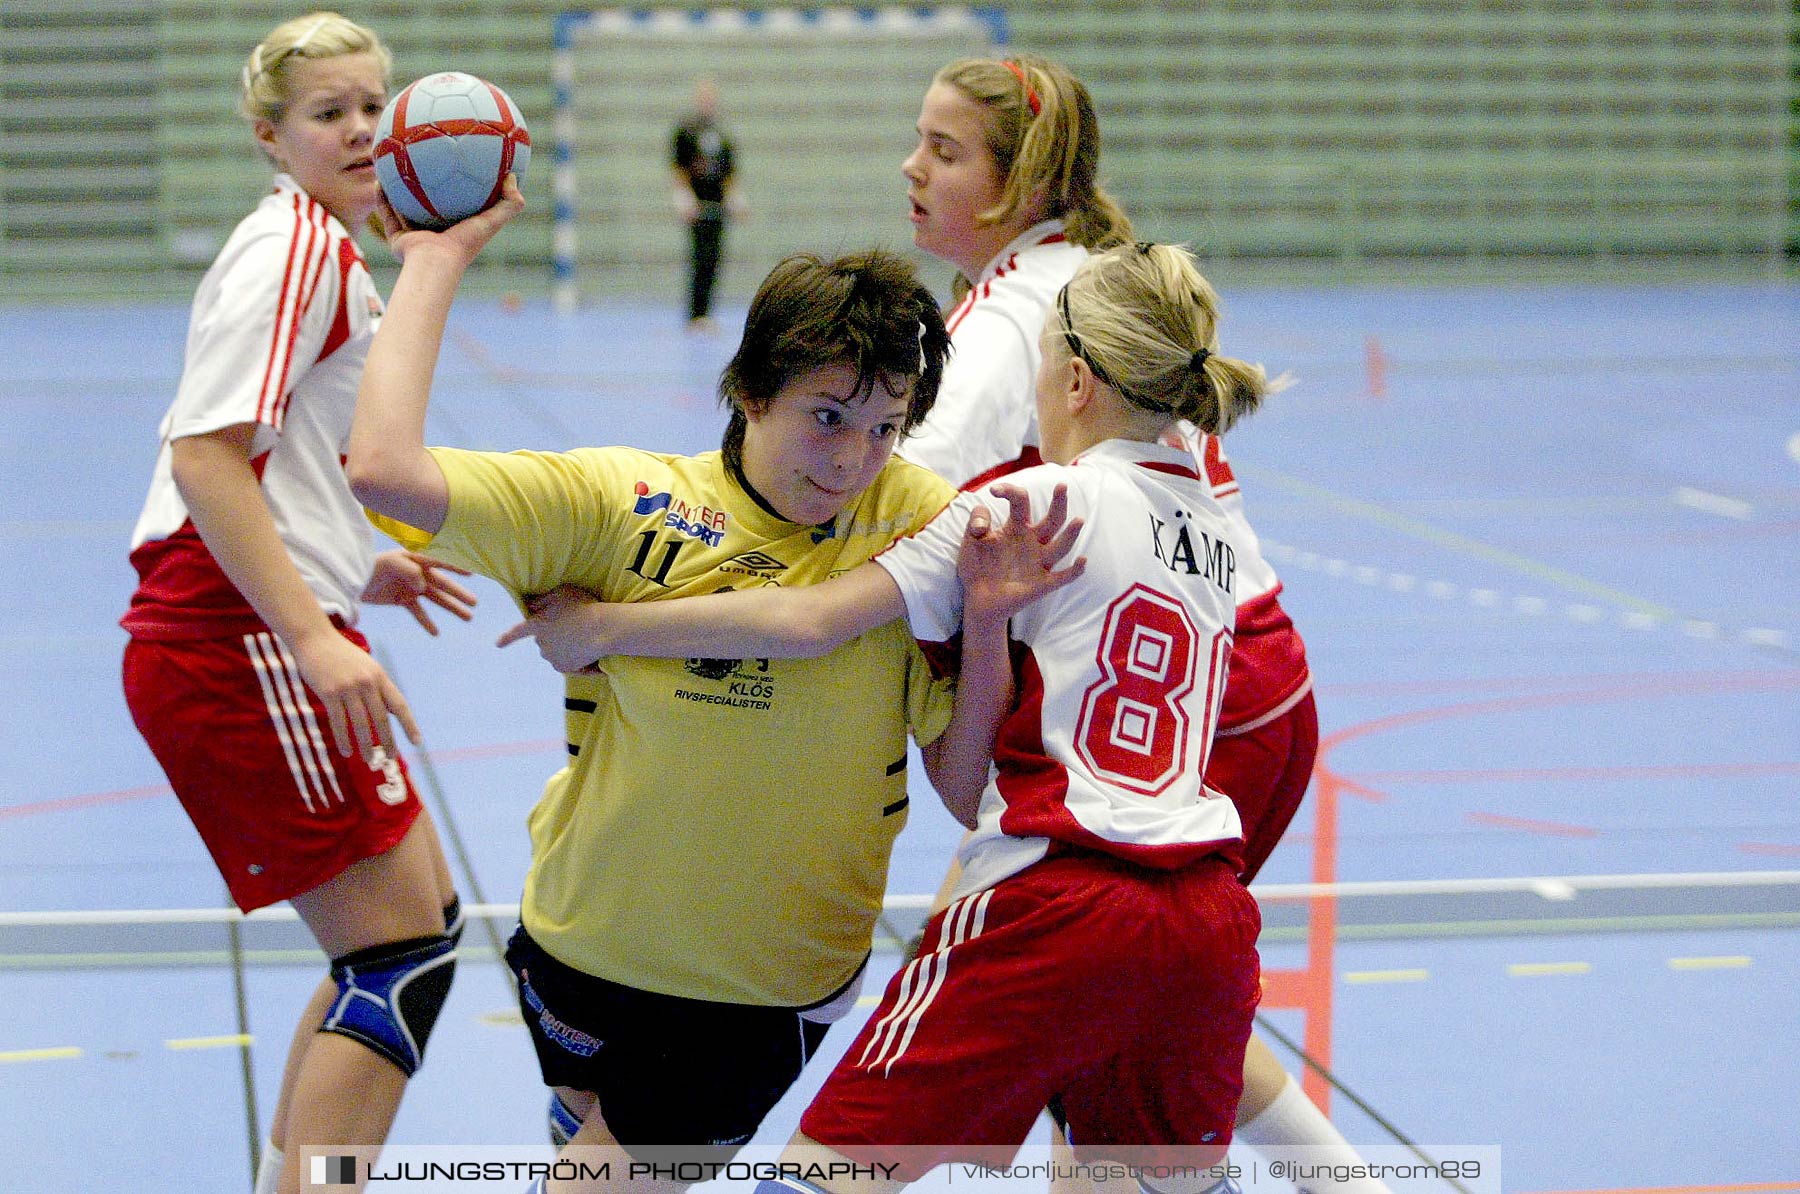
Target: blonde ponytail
1146, 322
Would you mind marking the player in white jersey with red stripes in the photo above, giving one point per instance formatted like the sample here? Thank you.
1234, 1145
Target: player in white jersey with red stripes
1004, 186
1268, 730
1100, 953
244, 671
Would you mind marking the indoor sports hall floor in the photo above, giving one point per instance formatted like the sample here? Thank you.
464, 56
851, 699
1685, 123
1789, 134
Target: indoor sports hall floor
1543, 543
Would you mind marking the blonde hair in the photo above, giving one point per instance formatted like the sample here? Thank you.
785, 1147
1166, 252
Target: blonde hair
264, 83
1044, 136
1147, 323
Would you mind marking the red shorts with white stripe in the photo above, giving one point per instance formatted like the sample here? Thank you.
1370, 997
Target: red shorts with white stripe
248, 750
1125, 993
1265, 771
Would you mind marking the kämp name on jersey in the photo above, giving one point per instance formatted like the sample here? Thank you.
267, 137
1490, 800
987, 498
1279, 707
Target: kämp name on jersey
1176, 550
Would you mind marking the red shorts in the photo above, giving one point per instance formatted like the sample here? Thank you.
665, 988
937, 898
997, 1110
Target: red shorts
1265, 772
249, 752
1126, 993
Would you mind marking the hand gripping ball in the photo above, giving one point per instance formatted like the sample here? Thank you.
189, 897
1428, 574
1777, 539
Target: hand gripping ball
445, 144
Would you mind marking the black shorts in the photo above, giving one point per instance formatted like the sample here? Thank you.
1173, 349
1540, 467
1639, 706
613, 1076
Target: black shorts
667, 1071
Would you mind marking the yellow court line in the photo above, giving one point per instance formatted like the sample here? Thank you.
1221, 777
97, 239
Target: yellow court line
1419, 529
230, 1041
1538, 969
59, 1054
1386, 976
1730, 962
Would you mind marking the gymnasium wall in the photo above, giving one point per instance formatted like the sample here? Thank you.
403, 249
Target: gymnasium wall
1328, 138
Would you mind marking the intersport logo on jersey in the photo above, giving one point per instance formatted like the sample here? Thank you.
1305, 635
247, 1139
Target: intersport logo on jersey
697, 522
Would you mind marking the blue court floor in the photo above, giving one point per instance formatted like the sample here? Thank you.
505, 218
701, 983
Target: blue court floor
1543, 543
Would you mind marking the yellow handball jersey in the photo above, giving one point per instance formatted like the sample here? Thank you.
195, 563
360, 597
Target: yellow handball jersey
723, 826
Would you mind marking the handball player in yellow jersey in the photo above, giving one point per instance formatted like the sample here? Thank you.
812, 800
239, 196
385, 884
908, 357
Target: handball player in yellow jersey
702, 894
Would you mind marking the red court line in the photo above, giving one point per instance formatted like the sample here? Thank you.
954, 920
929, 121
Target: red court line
1309, 989
1514, 775
1622, 688
477, 352
497, 750
1709, 681
67, 804
62, 804
1777, 848
1374, 367
1556, 828
1321, 939
1359, 790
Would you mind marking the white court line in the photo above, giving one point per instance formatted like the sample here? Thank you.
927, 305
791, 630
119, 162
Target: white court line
1793, 446
1550, 887
1714, 503
1531, 605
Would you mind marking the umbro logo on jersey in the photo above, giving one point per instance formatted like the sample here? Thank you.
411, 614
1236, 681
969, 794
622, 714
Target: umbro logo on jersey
759, 561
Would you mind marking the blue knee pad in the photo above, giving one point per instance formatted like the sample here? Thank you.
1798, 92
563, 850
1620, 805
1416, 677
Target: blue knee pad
389, 996
563, 1123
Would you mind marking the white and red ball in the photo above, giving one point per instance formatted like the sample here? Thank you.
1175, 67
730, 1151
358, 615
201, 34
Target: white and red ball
444, 146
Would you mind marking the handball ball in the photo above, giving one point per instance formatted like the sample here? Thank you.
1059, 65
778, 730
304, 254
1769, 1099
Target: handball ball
445, 144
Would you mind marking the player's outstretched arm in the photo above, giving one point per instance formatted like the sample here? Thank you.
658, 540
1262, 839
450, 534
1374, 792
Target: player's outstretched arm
390, 470
573, 629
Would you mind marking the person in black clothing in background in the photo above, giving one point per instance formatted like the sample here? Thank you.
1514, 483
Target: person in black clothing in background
705, 175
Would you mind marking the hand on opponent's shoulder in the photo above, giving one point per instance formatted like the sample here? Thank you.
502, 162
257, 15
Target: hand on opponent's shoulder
1006, 566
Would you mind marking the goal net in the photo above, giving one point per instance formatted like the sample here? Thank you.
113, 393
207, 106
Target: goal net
819, 105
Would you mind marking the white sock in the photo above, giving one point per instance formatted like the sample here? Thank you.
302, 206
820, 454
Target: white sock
1292, 1121
268, 1172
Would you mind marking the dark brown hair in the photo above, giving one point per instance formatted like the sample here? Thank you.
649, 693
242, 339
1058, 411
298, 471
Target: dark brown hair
867, 310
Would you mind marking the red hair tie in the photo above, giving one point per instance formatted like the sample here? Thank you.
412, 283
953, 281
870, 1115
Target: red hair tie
1031, 97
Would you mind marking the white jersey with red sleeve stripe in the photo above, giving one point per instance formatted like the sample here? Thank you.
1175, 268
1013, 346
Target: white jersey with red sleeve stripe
277, 338
1123, 672
985, 420
1255, 575
1269, 672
